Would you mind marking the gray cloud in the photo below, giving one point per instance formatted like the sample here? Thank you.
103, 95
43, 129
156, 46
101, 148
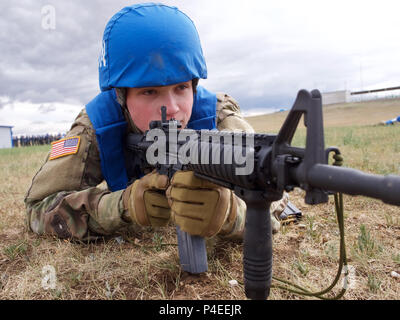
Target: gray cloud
258, 52
44, 66
46, 108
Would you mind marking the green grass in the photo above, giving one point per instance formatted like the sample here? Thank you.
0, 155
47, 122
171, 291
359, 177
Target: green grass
301, 267
15, 250
373, 149
374, 283
366, 244
23, 151
22, 160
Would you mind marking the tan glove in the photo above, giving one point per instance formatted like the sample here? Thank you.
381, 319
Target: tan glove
198, 206
146, 201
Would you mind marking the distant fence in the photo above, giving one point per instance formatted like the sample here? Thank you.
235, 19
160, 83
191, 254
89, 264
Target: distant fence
36, 140
345, 96
375, 94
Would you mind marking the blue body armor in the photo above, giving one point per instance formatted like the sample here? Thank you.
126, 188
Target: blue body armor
107, 119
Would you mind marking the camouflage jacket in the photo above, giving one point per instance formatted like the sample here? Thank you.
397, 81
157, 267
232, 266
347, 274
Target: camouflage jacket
68, 197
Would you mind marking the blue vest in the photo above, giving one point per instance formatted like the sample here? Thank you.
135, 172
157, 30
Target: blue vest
107, 119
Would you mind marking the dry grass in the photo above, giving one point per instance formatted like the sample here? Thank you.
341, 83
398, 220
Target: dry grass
145, 264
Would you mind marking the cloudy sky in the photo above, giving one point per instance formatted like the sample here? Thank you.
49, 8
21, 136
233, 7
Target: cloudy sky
260, 52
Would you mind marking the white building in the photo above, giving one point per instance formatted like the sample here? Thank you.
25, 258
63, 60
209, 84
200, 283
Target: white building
333, 97
6, 137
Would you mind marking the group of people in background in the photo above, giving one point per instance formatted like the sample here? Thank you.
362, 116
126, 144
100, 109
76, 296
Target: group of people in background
35, 140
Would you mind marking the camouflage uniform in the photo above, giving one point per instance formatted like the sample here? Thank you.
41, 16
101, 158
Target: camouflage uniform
68, 197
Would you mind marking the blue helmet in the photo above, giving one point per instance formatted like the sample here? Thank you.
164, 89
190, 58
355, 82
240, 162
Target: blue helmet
150, 45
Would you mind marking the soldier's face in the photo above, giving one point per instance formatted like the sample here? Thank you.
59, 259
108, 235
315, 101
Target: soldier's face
144, 104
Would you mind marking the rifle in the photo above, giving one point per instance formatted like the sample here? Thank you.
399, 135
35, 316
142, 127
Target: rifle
276, 167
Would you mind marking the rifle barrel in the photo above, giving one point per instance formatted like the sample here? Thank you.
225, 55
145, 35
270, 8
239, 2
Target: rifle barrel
355, 182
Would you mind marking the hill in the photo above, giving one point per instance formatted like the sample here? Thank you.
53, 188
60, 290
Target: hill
338, 115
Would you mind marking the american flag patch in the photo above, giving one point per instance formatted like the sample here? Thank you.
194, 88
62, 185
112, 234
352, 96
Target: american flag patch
64, 147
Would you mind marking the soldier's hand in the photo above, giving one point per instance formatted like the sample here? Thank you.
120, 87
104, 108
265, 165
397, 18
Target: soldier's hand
199, 207
146, 200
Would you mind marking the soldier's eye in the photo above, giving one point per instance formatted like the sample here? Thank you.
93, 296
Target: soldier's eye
182, 87
149, 92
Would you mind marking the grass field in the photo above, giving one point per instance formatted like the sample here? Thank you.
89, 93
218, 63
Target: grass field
144, 264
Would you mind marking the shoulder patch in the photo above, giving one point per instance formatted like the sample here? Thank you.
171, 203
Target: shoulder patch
64, 147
